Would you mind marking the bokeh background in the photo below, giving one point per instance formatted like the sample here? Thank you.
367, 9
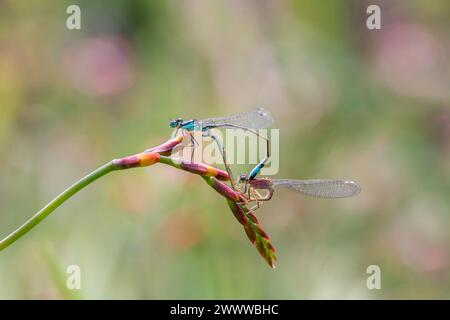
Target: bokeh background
372, 106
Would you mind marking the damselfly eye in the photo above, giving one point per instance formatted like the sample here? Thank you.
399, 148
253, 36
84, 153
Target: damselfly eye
175, 123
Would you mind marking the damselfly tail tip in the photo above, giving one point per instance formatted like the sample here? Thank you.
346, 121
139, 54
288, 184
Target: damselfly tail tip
262, 111
265, 114
357, 187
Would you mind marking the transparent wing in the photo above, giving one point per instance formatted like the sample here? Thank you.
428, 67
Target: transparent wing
256, 119
321, 188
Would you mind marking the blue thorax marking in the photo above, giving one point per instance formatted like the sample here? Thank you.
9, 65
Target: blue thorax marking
193, 125
189, 125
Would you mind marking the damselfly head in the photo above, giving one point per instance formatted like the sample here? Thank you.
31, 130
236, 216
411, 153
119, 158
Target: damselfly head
242, 178
175, 123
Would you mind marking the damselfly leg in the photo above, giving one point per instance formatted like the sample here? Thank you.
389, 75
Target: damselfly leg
223, 153
252, 188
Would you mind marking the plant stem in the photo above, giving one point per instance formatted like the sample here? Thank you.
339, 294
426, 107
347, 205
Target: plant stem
55, 203
169, 161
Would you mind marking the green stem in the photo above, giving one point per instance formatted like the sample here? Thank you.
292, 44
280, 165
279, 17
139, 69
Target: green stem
55, 203
169, 161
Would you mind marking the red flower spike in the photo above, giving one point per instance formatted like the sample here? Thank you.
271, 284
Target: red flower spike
254, 231
236, 200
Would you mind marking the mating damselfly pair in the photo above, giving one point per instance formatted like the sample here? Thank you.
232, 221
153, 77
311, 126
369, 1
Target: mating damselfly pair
249, 184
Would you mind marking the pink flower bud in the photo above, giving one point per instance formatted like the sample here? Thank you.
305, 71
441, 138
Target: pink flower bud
166, 148
139, 160
204, 170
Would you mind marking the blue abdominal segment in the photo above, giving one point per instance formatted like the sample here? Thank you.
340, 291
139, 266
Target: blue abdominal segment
257, 169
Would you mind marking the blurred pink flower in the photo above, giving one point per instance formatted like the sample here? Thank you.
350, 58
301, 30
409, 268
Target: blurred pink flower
411, 59
101, 66
419, 248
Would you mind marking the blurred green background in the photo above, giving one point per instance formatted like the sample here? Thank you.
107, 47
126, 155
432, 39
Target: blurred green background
372, 106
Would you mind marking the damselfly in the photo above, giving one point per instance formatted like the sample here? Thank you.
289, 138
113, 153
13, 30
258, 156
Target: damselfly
248, 121
322, 188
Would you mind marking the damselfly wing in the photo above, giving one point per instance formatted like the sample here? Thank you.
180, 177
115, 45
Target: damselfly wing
322, 188
255, 119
